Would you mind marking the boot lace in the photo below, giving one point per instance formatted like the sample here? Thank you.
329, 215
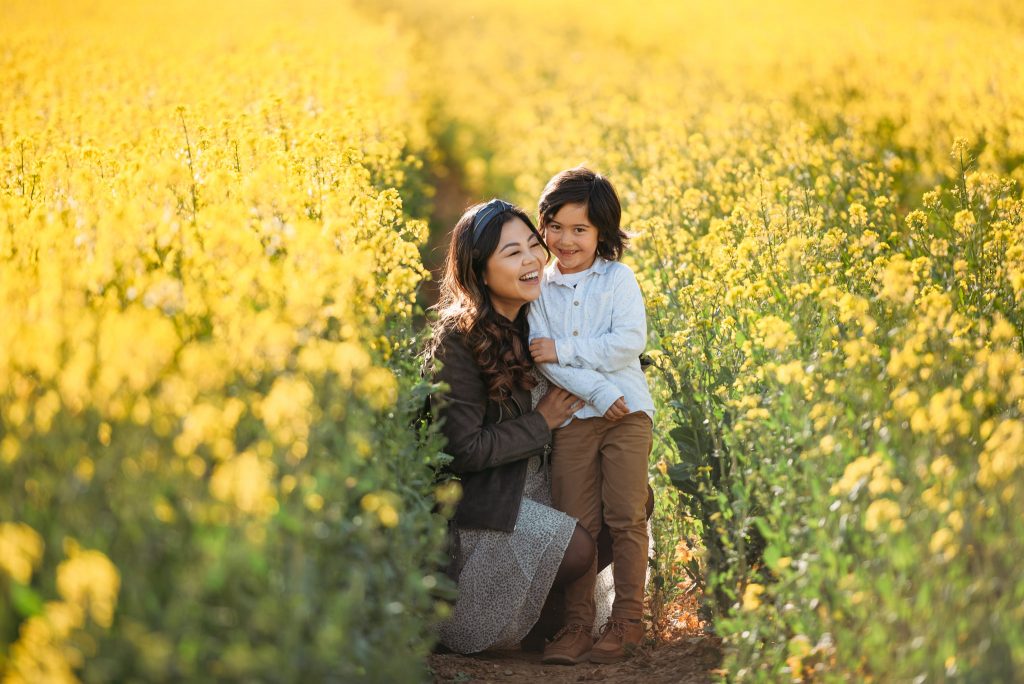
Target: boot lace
572, 628
617, 627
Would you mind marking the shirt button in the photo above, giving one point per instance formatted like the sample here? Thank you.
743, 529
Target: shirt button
575, 303
575, 333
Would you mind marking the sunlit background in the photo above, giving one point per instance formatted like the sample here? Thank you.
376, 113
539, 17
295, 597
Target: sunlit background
217, 222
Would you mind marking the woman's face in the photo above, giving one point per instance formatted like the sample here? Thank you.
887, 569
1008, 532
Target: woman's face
512, 273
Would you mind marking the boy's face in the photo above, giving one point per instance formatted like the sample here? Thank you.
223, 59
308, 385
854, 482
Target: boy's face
572, 238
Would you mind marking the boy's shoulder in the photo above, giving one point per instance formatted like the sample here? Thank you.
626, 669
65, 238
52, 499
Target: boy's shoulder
619, 271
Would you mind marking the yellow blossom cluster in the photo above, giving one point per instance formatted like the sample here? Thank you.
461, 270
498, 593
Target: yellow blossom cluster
173, 230
21, 549
874, 471
46, 650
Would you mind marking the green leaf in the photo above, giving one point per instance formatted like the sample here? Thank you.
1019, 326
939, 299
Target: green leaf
763, 528
688, 441
682, 476
772, 556
25, 600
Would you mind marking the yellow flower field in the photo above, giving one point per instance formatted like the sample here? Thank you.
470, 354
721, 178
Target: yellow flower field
207, 273
828, 215
211, 220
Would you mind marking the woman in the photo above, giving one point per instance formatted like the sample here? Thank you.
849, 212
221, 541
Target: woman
512, 547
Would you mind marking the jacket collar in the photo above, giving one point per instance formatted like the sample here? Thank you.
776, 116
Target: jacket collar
555, 277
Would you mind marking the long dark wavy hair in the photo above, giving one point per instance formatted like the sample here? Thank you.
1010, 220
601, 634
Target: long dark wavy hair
464, 306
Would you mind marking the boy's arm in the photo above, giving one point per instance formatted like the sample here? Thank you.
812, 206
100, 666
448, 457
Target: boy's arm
588, 385
621, 346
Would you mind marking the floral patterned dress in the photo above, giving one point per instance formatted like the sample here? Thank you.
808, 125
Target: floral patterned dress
505, 577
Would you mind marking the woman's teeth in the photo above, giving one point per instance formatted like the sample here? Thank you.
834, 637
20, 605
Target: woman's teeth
529, 277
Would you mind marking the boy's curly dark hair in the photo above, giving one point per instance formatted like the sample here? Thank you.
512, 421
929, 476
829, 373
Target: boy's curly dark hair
580, 185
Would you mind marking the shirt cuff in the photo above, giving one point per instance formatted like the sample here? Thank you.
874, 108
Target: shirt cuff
606, 398
565, 350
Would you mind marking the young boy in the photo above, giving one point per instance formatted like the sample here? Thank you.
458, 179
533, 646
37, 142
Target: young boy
587, 332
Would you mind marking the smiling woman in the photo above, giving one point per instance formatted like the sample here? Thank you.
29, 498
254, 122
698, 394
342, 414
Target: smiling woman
510, 546
512, 275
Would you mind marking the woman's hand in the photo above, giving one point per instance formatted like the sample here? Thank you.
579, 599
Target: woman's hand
557, 406
618, 410
542, 349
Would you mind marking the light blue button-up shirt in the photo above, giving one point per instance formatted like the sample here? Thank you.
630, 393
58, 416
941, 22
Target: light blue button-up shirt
600, 330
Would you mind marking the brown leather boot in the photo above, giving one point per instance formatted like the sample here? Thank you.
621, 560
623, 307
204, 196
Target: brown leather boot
570, 646
619, 638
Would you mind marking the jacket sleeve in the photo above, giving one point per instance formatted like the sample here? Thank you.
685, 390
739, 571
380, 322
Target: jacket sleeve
622, 345
587, 384
473, 445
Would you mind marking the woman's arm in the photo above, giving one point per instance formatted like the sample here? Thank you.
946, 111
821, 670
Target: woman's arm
624, 343
473, 445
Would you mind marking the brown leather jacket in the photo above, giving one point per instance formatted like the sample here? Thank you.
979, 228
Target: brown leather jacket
490, 442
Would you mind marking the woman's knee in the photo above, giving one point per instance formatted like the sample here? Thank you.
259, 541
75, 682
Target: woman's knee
579, 555
581, 546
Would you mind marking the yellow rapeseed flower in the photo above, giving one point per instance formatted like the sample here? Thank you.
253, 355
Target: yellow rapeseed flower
1002, 454
88, 579
752, 596
883, 513
774, 333
21, 549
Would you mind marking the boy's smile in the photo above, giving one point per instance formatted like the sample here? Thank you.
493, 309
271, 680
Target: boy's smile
572, 238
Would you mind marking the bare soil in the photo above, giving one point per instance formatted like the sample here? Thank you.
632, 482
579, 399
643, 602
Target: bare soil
688, 660
678, 651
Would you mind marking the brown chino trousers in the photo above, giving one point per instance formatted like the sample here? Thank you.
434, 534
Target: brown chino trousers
599, 469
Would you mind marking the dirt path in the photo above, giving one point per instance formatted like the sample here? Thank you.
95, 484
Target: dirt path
679, 652
450, 200
687, 661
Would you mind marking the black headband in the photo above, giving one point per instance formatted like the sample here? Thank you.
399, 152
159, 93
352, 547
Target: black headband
486, 214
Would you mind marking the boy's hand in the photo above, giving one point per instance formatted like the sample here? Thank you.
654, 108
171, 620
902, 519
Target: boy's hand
617, 410
542, 349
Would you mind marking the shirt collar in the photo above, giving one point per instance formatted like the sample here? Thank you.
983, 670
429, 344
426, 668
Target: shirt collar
555, 277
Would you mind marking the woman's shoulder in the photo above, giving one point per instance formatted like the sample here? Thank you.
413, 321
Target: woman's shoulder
450, 346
